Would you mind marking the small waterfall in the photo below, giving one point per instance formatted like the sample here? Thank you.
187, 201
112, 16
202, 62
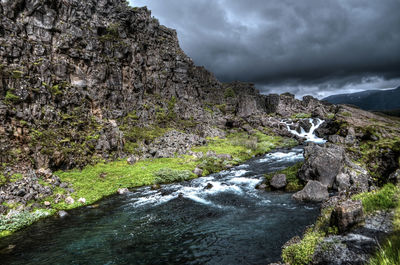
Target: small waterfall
309, 136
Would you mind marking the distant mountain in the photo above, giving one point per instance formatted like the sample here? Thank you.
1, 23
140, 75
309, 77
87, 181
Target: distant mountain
377, 100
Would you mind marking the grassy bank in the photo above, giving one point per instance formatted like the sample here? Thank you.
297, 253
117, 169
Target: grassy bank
103, 179
386, 198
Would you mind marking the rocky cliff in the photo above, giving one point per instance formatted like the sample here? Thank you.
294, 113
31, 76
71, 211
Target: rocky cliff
83, 81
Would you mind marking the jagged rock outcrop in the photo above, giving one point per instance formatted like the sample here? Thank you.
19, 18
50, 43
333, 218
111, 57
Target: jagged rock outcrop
76, 75
286, 105
323, 163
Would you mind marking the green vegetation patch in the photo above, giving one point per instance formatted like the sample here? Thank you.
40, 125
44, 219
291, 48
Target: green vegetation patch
293, 182
389, 253
167, 175
301, 253
104, 179
14, 222
243, 146
382, 199
299, 116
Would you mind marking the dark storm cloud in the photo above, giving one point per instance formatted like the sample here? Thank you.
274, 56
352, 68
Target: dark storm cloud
287, 43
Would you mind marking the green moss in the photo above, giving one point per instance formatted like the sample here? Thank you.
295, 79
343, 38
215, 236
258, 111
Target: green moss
298, 116
330, 116
168, 175
17, 74
222, 108
382, 199
10, 224
293, 182
11, 97
244, 146
346, 114
301, 253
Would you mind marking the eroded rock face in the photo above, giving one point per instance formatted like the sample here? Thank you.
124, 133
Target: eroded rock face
314, 191
347, 214
357, 246
323, 163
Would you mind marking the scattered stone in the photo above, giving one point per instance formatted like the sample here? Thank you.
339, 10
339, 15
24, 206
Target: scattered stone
211, 153
82, 200
62, 214
155, 186
347, 214
224, 156
278, 181
44, 173
261, 186
3, 209
208, 186
314, 191
132, 160
122, 191
64, 185
69, 200
47, 203
198, 172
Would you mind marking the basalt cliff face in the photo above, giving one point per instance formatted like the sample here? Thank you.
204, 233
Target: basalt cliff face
82, 80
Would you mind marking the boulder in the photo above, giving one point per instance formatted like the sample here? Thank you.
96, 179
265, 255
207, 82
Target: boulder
347, 214
261, 186
62, 214
122, 191
323, 163
208, 186
69, 200
155, 187
44, 173
342, 182
198, 172
132, 160
314, 191
278, 181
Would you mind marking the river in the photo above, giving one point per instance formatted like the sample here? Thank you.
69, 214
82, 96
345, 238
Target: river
231, 223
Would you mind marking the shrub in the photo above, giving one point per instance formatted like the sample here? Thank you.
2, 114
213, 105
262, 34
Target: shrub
301, 253
229, 93
167, 175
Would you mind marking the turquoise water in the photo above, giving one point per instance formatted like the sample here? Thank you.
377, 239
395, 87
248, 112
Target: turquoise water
231, 223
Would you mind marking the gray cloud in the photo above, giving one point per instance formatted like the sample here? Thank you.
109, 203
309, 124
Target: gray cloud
324, 45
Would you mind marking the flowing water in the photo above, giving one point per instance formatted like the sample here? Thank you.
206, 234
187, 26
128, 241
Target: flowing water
309, 136
231, 223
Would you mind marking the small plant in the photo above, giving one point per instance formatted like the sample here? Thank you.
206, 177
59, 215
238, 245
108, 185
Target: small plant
229, 93
301, 253
11, 97
167, 175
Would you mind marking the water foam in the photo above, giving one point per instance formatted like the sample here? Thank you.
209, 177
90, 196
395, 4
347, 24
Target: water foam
309, 136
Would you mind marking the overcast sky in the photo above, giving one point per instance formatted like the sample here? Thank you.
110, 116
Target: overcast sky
317, 47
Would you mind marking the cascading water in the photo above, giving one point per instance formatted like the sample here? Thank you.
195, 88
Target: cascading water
309, 136
218, 219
